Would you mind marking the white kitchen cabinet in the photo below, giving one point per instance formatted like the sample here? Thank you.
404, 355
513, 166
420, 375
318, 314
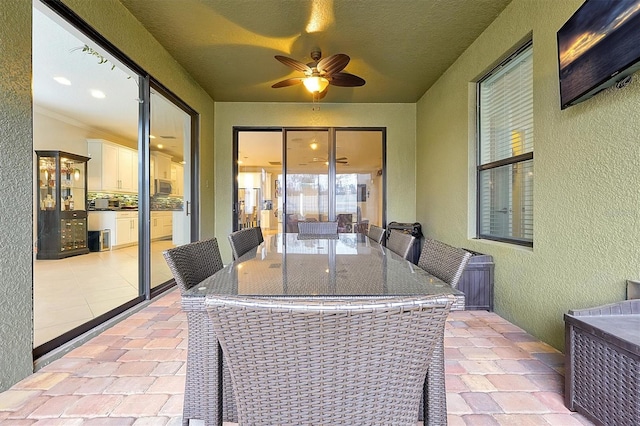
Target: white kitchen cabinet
161, 224
177, 179
265, 219
99, 220
112, 167
167, 225
123, 225
126, 228
162, 164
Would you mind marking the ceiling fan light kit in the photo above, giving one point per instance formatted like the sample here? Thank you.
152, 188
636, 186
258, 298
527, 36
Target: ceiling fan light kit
315, 84
320, 73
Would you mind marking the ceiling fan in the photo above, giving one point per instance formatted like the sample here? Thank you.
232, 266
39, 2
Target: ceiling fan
320, 73
340, 160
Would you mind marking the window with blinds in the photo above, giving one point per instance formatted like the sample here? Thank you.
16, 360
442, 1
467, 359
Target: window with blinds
505, 150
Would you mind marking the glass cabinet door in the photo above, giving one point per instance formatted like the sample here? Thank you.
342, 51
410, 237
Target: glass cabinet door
62, 201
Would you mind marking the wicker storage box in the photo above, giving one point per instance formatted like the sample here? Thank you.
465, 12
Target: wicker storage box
477, 282
602, 361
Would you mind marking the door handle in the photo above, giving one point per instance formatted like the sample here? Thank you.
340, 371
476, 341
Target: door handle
187, 209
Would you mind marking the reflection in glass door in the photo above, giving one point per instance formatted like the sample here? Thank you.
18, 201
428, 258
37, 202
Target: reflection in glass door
359, 183
170, 186
330, 175
306, 177
258, 196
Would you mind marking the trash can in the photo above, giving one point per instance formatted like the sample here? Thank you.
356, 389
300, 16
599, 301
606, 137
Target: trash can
477, 282
414, 229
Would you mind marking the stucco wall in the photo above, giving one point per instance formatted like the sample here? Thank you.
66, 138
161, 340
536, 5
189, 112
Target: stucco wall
399, 119
587, 174
16, 269
113, 21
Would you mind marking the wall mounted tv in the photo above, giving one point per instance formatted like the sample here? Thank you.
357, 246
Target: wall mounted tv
597, 47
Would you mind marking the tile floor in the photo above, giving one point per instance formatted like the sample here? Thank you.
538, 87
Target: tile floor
133, 374
69, 292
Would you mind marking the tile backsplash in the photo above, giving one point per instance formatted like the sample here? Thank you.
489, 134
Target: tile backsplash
131, 200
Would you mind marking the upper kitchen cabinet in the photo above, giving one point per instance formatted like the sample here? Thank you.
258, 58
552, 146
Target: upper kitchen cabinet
177, 179
162, 163
114, 167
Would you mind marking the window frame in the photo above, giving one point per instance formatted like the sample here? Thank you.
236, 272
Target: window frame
513, 160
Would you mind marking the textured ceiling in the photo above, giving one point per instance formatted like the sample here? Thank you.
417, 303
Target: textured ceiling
399, 47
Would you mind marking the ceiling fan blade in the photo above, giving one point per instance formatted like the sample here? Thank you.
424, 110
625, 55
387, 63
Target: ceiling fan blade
344, 79
296, 65
288, 82
333, 64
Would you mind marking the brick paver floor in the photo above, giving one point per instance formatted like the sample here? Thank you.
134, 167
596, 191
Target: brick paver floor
133, 374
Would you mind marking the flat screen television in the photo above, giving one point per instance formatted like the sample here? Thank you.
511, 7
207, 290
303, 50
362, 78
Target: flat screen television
597, 47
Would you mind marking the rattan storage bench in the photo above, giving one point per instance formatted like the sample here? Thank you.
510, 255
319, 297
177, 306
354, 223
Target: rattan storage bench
602, 363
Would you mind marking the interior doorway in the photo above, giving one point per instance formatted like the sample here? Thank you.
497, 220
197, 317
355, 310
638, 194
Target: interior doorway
288, 175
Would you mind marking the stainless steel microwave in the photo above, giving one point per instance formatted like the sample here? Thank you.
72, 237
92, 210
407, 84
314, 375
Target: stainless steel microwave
163, 187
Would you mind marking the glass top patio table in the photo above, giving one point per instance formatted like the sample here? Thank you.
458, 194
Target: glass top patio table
289, 265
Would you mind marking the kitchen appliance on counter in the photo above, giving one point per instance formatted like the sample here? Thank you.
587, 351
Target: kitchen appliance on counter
101, 203
100, 240
105, 204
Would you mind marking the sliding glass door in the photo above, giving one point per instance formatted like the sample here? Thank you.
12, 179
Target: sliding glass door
136, 141
169, 182
325, 174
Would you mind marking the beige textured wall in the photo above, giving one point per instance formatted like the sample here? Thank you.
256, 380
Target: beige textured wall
16, 269
587, 175
399, 119
116, 24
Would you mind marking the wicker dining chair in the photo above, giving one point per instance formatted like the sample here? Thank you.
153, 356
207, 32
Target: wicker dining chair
190, 264
443, 261
318, 228
376, 233
258, 234
243, 241
328, 361
400, 243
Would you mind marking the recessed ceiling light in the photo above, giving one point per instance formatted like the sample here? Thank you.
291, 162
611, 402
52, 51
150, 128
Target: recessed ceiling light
98, 94
160, 146
239, 161
314, 146
151, 137
63, 81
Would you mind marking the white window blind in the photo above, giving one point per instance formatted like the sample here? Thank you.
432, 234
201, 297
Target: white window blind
505, 150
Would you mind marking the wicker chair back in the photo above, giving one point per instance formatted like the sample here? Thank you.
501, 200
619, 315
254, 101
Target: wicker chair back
243, 241
192, 263
400, 243
376, 233
328, 362
443, 261
318, 228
